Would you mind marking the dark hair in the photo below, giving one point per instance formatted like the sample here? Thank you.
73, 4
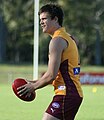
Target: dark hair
53, 10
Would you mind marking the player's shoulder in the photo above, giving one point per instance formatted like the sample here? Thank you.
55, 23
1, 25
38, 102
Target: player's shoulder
59, 42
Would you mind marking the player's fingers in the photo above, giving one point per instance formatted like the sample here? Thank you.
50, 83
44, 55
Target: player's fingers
21, 87
22, 91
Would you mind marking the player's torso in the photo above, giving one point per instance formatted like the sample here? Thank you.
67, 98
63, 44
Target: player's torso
67, 80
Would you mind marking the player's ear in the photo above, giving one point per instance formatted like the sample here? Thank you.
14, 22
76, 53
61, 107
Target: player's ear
56, 19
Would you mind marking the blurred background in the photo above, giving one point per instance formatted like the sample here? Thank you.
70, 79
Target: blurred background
84, 19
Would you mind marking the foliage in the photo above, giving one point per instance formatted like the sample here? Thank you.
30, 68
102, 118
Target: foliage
84, 19
18, 16
43, 49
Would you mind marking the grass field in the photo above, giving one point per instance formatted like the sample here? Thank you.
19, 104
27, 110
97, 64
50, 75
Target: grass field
12, 108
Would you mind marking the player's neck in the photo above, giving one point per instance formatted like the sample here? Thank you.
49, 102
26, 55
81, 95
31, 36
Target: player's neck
55, 29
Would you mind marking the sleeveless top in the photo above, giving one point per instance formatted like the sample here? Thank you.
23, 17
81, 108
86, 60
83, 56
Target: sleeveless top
67, 81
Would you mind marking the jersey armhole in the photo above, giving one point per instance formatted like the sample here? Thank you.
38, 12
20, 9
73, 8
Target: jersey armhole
64, 40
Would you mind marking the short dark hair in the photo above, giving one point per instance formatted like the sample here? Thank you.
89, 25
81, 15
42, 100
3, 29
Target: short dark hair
53, 10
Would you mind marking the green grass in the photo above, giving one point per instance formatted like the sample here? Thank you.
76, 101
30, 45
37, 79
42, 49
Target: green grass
12, 108
93, 105
92, 69
9, 72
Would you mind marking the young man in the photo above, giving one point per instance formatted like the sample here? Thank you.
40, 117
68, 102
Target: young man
63, 68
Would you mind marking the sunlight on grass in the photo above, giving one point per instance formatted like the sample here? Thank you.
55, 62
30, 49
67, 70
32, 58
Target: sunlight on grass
92, 107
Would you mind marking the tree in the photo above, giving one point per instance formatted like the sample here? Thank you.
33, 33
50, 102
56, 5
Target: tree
82, 17
80, 21
19, 17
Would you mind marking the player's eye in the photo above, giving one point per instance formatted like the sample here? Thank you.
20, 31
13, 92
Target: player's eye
44, 18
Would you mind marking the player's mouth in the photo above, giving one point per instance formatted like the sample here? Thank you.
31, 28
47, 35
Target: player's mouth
43, 26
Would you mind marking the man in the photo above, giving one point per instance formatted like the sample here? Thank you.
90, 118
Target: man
63, 68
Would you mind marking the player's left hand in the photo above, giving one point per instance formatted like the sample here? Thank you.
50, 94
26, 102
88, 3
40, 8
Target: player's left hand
26, 89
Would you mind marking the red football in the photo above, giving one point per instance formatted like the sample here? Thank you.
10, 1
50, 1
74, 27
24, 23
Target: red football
19, 82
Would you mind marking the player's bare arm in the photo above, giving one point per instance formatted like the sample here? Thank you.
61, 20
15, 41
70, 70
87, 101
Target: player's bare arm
56, 47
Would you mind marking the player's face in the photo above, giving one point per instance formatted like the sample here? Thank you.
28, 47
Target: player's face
47, 24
